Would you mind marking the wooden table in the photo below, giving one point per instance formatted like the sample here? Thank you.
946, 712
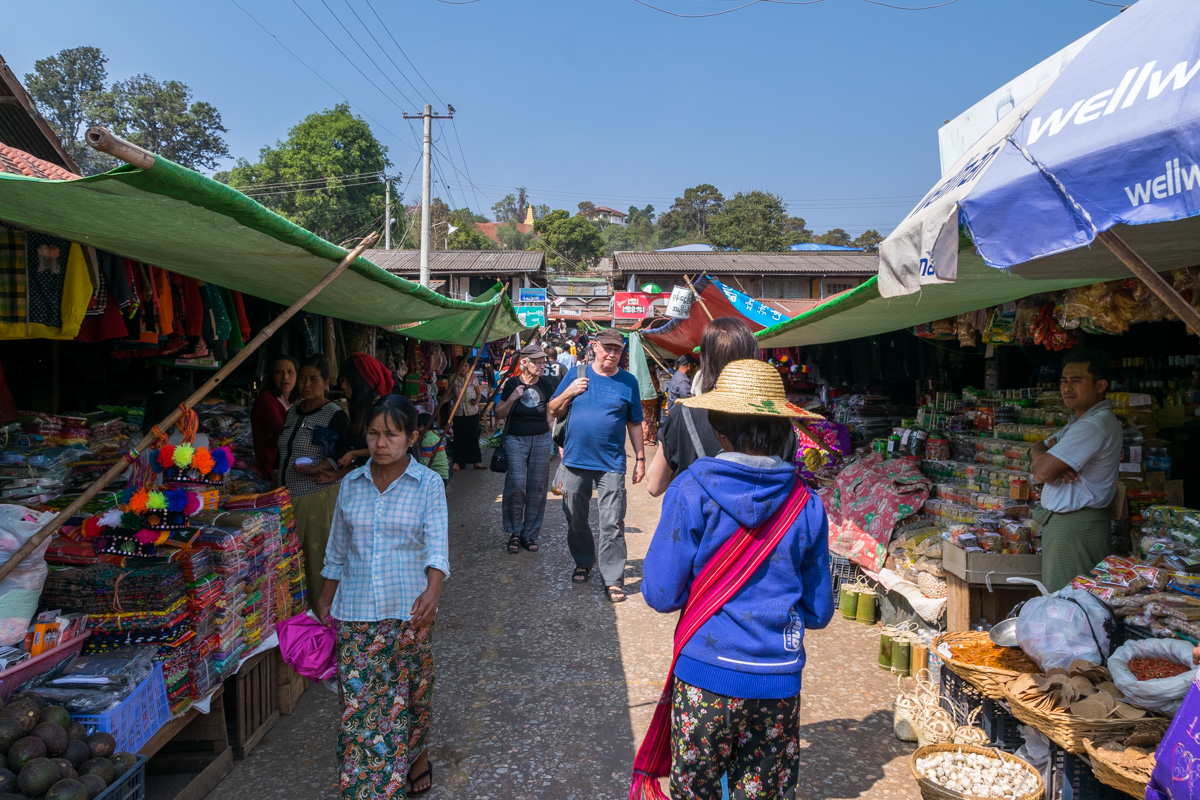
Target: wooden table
968, 602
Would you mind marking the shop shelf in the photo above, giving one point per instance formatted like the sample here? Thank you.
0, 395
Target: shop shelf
137, 718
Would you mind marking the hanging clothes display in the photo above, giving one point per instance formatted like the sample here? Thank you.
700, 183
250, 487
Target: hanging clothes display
45, 286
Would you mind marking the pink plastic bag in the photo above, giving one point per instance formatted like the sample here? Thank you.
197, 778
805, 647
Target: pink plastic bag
308, 647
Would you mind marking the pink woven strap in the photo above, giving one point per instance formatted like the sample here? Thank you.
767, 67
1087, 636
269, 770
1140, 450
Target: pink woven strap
722, 577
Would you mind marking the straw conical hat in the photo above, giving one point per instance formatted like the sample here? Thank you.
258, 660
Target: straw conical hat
749, 386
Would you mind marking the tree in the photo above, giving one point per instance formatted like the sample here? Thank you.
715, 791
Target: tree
511, 207
869, 241
837, 236
571, 243
161, 117
513, 238
755, 221
306, 168
66, 89
467, 215
587, 209
698, 204
638, 232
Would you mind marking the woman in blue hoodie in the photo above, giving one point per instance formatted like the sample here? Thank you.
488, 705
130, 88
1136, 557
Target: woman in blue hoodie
735, 700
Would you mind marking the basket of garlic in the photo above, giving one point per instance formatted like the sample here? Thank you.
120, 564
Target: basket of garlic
956, 771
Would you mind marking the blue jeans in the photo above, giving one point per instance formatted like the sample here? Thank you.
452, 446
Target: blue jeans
526, 483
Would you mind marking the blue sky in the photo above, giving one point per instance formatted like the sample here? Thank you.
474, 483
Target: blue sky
834, 106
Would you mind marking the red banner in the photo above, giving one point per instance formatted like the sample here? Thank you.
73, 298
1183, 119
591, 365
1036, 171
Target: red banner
633, 305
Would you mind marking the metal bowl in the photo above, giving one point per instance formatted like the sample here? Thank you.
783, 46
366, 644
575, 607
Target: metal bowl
1004, 633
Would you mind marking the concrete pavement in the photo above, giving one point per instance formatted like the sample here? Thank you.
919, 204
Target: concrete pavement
544, 688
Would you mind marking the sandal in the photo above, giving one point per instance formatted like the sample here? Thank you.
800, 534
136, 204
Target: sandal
615, 594
581, 575
530, 545
514, 544
428, 773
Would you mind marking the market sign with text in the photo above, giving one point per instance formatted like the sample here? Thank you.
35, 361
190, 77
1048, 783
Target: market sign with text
634, 305
532, 316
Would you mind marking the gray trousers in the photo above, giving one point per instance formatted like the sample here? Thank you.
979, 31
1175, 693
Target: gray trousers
609, 554
525, 484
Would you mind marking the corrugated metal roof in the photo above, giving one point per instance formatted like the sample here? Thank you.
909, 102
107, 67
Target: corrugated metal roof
725, 263
459, 262
22, 127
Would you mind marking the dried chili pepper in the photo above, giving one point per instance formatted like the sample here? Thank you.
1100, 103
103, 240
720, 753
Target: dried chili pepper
1148, 668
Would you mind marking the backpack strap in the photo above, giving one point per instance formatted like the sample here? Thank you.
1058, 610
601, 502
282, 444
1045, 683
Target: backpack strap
693, 434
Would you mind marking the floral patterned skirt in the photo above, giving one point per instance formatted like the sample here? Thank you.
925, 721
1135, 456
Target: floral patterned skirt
386, 673
755, 742
650, 411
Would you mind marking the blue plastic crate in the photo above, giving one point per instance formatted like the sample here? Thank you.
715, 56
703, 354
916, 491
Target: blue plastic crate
958, 696
1074, 779
842, 570
137, 718
1002, 728
130, 786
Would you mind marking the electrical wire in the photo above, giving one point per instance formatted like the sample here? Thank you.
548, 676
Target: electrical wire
910, 8
454, 127
687, 16
306, 181
321, 77
401, 49
385, 53
362, 49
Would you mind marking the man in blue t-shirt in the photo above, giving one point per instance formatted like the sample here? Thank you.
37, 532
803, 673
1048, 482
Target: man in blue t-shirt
605, 406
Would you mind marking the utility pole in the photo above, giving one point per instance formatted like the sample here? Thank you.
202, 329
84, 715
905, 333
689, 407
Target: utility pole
387, 213
426, 185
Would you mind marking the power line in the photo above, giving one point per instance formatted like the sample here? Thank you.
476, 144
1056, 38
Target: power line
389, 58
323, 79
401, 49
910, 8
358, 44
454, 127
304, 181
689, 16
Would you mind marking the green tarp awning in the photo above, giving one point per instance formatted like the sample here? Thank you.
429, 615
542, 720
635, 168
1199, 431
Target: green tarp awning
864, 312
465, 327
179, 220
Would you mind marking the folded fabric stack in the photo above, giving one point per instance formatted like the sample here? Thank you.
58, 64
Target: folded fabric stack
33, 473
177, 660
288, 589
227, 547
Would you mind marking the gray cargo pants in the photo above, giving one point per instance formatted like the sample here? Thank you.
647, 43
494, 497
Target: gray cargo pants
609, 555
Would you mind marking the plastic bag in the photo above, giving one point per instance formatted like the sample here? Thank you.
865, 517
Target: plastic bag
20, 590
1055, 630
1160, 694
307, 646
557, 485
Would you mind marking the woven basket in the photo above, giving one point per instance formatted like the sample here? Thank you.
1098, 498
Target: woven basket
1115, 775
933, 791
987, 680
1069, 732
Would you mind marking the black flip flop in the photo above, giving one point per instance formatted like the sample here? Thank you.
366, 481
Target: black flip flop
581, 575
530, 545
514, 544
615, 594
428, 772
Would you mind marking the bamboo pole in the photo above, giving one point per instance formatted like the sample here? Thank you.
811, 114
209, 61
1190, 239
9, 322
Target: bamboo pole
698, 297
1149, 276
116, 469
104, 140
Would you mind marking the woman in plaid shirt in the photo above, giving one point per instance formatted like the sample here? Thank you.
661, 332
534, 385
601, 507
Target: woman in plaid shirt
387, 557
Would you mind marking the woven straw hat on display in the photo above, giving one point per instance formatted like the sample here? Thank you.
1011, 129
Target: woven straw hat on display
749, 386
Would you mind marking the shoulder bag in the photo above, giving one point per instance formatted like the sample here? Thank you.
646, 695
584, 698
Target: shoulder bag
499, 461
560, 425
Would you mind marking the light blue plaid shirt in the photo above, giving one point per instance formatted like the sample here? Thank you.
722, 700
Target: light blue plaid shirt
380, 543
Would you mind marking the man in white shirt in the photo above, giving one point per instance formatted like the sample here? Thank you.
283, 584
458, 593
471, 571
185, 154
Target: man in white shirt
1079, 466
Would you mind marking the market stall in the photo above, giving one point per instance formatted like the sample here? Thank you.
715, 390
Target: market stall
144, 574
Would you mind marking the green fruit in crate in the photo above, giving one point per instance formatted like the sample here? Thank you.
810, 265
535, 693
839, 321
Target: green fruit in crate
10, 731
55, 737
8, 781
76, 730
99, 766
38, 701
68, 789
37, 777
65, 768
23, 711
25, 750
56, 714
123, 762
102, 745
77, 753
94, 785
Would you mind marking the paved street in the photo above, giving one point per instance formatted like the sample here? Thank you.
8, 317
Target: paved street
544, 688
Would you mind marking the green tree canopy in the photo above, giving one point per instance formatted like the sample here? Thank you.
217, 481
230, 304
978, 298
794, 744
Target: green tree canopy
66, 89
512, 206
512, 238
161, 117
837, 236
587, 209
308, 167
869, 240
571, 243
698, 204
755, 221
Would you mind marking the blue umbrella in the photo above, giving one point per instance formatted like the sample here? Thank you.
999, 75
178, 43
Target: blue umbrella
1109, 150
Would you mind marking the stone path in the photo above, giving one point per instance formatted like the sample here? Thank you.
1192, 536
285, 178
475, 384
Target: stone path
544, 688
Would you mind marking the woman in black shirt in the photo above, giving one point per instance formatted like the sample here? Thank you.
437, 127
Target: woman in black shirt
524, 402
